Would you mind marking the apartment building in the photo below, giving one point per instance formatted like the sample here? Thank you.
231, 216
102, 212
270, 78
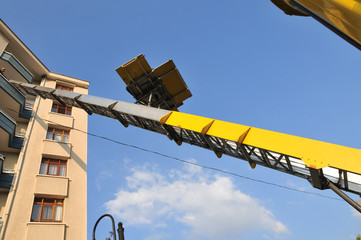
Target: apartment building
43, 151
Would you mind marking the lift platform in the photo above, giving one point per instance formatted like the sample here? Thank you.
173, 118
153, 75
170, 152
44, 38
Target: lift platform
162, 87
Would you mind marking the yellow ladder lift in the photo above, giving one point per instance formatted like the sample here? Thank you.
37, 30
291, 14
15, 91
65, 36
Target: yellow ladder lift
160, 91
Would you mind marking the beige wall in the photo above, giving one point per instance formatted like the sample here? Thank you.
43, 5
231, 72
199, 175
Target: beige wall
57, 150
71, 188
75, 209
55, 186
3, 198
10, 160
61, 119
53, 231
3, 43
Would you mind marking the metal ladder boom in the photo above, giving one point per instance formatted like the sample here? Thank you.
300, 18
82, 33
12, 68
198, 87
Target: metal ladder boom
322, 164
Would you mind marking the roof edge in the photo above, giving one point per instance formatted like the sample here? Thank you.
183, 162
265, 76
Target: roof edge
18, 40
76, 81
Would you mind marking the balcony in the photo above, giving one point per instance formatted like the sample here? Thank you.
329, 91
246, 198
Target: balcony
54, 149
6, 179
45, 231
51, 185
61, 119
14, 69
8, 139
12, 99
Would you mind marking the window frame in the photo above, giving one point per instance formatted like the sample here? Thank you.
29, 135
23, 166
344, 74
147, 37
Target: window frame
50, 161
29, 105
47, 202
62, 87
58, 106
54, 131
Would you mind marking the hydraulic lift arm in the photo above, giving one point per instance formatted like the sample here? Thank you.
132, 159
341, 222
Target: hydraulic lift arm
325, 165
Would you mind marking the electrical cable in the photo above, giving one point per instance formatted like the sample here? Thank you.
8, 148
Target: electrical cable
193, 163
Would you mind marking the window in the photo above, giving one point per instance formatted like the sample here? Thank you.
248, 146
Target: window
59, 135
29, 104
47, 210
53, 167
58, 108
58, 86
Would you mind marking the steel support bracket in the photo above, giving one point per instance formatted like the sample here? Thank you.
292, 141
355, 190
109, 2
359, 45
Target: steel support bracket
172, 135
123, 121
350, 201
82, 105
57, 98
317, 178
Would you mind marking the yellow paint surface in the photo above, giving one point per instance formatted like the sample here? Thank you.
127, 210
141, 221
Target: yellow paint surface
314, 153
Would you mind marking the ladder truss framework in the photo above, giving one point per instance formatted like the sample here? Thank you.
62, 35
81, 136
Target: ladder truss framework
306, 158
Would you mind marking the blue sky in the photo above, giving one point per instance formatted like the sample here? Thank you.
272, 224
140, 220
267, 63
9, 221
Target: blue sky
244, 62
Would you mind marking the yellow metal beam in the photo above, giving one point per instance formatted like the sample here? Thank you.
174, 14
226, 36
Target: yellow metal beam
287, 7
315, 154
341, 16
345, 15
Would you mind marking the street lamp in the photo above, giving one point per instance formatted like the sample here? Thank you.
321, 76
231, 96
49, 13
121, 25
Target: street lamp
120, 229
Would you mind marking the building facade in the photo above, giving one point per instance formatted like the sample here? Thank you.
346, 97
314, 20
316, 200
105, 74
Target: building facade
43, 151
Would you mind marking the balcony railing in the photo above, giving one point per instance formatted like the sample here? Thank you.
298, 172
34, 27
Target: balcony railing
16, 95
6, 179
9, 125
13, 61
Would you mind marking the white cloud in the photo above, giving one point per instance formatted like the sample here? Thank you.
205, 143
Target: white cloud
210, 205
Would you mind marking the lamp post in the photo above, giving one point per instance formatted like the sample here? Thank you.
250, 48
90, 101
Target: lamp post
120, 229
